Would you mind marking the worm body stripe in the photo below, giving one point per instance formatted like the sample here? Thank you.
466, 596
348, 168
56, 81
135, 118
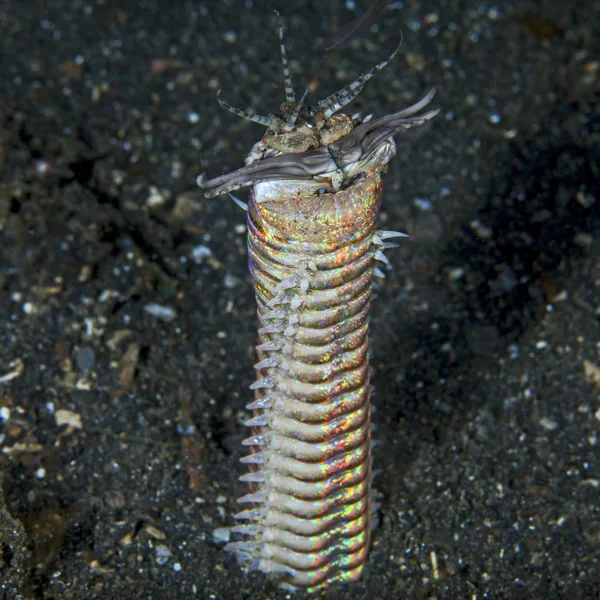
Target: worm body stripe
316, 181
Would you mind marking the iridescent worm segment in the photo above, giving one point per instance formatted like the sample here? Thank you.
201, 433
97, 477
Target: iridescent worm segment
316, 181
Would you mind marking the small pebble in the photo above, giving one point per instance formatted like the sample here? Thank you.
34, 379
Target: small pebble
591, 373
199, 253
156, 533
221, 535
230, 37
67, 417
583, 239
456, 273
162, 554
29, 308
493, 13
84, 359
586, 200
548, 424
156, 197
230, 281
423, 204
165, 313
482, 231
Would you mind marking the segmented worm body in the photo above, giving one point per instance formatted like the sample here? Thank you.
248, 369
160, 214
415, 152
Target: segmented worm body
316, 181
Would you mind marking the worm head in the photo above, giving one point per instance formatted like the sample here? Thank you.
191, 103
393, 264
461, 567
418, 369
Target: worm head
364, 148
311, 149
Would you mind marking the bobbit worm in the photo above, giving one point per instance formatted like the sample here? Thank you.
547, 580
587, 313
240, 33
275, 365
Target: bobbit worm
316, 181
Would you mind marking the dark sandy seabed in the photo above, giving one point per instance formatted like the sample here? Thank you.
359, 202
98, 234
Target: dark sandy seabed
127, 316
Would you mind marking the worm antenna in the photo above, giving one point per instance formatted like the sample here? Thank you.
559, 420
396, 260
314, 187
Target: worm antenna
342, 97
292, 120
246, 114
290, 96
